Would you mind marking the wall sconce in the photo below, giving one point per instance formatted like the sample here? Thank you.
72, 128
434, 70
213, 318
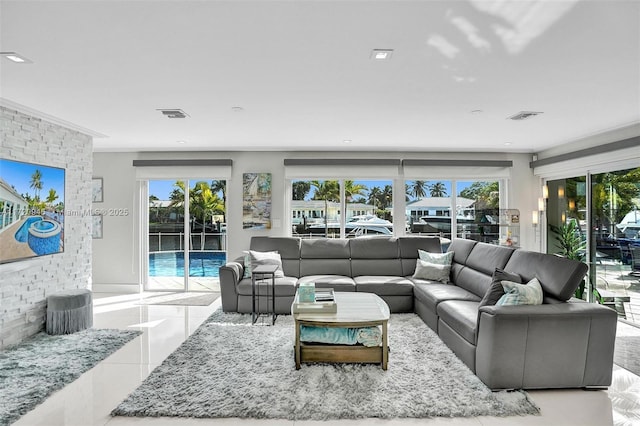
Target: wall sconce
545, 191
534, 218
561, 192
541, 204
572, 205
563, 218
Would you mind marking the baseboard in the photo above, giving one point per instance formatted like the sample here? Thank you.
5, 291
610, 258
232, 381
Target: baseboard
116, 288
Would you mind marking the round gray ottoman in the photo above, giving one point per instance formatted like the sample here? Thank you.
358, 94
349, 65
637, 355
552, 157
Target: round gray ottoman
69, 311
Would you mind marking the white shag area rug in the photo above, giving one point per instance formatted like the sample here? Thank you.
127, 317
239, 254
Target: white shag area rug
42, 364
229, 368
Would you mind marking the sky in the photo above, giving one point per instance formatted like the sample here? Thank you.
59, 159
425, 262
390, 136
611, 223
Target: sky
19, 174
162, 188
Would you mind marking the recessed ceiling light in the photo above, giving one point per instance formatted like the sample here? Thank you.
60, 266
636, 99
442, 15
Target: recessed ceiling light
346, 141
381, 54
16, 57
476, 111
182, 142
507, 143
237, 109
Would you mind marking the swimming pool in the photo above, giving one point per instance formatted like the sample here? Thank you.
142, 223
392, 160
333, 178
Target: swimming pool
22, 234
171, 263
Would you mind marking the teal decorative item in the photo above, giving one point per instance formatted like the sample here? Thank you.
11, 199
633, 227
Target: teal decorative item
307, 293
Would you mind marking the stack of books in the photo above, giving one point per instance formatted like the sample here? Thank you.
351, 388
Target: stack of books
325, 302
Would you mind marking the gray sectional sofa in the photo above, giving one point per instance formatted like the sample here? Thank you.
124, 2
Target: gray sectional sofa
563, 343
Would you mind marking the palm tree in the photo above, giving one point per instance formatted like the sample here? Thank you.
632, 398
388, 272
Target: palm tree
387, 196
36, 183
418, 189
438, 189
352, 189
152, 203
176, 197
204, 202
221, 186
300, 189
328, 190
374, 196
52, 196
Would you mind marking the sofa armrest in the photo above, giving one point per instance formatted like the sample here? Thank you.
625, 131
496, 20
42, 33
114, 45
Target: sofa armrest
562, 345
230, 275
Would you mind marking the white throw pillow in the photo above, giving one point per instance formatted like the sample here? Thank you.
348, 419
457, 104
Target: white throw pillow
438, 258
521, 294
266, 258
432, 271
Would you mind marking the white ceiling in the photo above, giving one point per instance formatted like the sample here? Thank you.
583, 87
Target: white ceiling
302, 72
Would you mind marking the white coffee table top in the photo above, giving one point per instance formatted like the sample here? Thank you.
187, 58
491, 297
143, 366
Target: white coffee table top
353, 308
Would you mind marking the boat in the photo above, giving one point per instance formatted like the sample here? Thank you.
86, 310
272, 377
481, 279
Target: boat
630, 225
356, 226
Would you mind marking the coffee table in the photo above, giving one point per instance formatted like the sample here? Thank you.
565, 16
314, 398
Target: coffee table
354, 310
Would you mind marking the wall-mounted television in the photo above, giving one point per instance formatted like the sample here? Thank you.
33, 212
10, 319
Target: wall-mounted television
31, 210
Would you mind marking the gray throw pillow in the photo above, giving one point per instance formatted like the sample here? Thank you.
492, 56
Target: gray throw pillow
432, 271
247, 265
267, 258
438, 258
496, 290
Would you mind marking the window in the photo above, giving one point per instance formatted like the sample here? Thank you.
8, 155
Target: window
317, 206
475, 206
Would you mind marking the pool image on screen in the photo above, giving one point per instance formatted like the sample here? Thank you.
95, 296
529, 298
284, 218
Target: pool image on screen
31, 210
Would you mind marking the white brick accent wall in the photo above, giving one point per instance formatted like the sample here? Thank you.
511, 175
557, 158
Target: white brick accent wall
24, 285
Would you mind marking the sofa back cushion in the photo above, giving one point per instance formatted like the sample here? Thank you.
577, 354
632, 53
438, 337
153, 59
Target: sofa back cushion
558, 276
375, 256
325, 256
472, 280
409, 247
287, 247
487, 257
475, 262
461, 249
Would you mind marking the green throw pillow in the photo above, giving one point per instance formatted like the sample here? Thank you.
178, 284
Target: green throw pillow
521, 294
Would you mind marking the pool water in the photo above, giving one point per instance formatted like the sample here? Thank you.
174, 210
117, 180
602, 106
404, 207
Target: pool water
23, 233
171, 264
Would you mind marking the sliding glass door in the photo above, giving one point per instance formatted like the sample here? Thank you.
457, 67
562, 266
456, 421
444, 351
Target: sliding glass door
596, 219
185, 230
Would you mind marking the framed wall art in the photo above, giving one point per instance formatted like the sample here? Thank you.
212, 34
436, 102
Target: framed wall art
256, 201
96, 226
97, 194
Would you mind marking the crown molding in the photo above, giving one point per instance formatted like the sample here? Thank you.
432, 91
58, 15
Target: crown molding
50, 118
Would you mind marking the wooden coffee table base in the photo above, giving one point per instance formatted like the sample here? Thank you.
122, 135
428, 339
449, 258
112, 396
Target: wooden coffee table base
313, 352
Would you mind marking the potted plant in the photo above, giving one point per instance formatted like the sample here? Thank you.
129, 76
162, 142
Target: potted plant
569, 241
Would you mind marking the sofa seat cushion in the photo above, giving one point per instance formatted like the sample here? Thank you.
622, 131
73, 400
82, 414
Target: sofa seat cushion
336, 282
285, 286
461, 316
384, 285
432, 294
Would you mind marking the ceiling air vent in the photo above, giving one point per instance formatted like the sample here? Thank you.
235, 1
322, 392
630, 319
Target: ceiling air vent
174, 113
523, 115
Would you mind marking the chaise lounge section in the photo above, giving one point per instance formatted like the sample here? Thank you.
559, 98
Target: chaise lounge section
561, 343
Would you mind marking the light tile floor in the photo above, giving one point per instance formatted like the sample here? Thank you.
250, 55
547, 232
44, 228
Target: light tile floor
89, 400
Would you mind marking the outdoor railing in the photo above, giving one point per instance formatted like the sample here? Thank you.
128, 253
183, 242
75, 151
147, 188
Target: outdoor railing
174, 241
